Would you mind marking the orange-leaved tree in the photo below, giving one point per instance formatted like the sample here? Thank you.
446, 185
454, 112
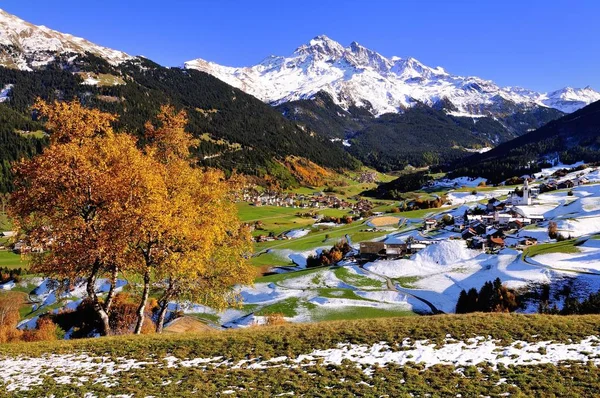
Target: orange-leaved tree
79, 201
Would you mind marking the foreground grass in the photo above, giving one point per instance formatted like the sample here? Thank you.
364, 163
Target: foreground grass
347, 379
296, 339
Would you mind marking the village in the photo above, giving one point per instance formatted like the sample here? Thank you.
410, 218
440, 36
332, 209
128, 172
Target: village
488, 227
317, 200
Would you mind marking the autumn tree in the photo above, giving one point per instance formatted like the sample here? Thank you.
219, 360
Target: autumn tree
80, 200
194, 246
98, 203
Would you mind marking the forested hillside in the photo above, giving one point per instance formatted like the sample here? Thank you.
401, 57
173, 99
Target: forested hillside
574, 137
236, 130
419, 136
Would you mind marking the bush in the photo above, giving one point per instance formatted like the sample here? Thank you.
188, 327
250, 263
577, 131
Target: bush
447, 219
274, 319
552, 230
492, 297
9, 317
46, 330
329, 257
123, 315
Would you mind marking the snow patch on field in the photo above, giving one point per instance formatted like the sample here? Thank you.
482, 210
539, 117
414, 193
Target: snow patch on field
433, 259
444, 269
297, 233
22, 373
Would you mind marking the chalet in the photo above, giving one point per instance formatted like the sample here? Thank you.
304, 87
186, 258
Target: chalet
495, 233
548, 186
491, 204
429, 224
468, 233
487, 220
458, 227
371, 251
480, 228
416, 246
528, 241
478, 243
395, 250
502, 218
567, 184
582, 181
515, 224
496, 243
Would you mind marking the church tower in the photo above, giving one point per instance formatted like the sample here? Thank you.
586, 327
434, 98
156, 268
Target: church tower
526, 193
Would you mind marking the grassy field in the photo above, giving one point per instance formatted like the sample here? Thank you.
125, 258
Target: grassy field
567, 246
323, 238
573, 379
11, 260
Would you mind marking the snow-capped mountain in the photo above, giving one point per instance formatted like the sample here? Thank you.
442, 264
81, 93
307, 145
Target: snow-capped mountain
26, 46
356, 75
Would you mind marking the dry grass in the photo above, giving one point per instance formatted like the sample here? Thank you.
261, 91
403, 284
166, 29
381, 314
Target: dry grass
187, 324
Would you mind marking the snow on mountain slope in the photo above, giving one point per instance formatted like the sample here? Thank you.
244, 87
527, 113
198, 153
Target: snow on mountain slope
26, 46
355, 75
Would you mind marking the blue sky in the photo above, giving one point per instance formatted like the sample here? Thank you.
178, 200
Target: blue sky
542, 45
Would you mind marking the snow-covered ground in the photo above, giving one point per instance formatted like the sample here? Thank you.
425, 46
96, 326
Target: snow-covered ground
19, 374
297, 233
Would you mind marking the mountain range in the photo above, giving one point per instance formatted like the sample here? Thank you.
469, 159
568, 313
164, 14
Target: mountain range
334, 106
358, 76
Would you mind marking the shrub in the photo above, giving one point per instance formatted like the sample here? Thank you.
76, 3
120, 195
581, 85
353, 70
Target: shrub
328, 257
9, 317
552, 230
447, 219
46, 330
274, 319
123, 315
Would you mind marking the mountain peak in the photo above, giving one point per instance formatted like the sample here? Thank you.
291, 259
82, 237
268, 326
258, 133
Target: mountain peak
35, 46
321, 46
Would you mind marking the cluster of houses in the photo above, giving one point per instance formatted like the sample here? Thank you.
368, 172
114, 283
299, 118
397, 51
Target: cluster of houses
317, 200
488, 229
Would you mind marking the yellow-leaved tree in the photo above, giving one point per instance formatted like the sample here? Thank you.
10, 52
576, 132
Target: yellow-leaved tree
198, 250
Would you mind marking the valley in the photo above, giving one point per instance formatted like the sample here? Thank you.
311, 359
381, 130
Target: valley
334, 222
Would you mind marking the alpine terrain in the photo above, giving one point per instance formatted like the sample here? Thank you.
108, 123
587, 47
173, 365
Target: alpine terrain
358, 76
334, 223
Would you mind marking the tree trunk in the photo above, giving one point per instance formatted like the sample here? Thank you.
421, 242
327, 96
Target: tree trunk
113, 287
160, 323
164, 306
98, 307
142, 308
